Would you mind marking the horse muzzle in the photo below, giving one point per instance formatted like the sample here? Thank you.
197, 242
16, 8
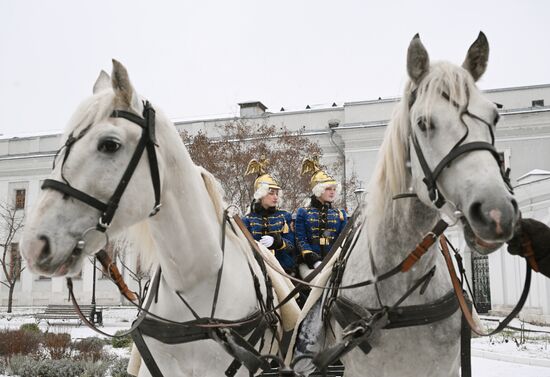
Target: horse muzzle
490, 223
39, 254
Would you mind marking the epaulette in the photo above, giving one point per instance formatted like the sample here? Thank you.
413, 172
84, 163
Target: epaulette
285, 228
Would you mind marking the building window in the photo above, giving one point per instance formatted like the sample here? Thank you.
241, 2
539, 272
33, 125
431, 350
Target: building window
15, 262
537, 103
20, 198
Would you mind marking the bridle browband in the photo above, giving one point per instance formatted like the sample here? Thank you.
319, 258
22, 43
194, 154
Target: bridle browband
430, 177
147, 141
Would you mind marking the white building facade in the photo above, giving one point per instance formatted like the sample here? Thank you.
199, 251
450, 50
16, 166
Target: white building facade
351, 132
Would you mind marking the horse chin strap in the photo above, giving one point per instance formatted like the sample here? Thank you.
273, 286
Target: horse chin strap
147, 141
430, 177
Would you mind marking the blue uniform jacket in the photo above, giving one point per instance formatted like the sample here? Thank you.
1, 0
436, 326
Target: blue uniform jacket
261, 222
318, 226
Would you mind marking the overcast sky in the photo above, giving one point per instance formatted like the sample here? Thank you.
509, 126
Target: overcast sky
200, 58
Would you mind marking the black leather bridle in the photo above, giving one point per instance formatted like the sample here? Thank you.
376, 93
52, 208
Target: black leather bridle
431, 176
147, 141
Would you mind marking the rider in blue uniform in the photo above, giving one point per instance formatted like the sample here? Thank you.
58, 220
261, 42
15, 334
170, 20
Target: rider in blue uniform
269, 225
318, 224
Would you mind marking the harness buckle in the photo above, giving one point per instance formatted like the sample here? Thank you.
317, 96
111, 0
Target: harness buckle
103, 226
155, 210
357, 329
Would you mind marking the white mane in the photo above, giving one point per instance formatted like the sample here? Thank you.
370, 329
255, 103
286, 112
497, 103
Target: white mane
140, 234
391, 174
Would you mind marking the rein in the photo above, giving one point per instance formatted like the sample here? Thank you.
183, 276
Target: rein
457, 286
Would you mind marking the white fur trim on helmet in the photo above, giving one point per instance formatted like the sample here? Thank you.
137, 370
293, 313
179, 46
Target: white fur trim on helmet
263, 190
319, 189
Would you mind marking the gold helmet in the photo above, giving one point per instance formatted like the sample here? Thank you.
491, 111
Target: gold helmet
311, 165
259, 168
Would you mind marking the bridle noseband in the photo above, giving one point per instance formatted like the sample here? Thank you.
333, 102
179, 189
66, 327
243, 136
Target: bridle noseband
430, 177
147, 141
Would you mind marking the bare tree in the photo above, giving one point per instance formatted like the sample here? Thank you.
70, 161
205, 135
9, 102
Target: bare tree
240, 140
123, 250
11, 222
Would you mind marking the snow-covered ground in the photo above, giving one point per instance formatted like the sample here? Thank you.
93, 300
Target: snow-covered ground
509, 354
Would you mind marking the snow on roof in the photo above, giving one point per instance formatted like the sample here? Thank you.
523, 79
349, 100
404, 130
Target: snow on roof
533, 173
30, 134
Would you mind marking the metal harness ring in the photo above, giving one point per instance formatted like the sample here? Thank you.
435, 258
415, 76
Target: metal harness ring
82, 243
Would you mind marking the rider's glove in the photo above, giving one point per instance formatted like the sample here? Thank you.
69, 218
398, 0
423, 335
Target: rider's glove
267, 241
539, 235
277, 241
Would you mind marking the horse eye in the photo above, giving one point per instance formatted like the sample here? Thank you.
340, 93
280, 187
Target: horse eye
108, 146
421, 123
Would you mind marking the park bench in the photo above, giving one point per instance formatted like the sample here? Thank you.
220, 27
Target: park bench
67, 313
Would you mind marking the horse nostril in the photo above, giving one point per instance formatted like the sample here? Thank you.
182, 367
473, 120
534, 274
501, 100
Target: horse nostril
476, 212
45, 252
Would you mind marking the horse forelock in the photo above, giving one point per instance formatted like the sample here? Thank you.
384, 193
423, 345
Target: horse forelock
443, 77
90, 111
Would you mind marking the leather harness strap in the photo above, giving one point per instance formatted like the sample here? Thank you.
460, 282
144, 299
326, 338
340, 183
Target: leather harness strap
115, 275
143, 310
232, 339
464, 305
359, 324
346, 311
428, 240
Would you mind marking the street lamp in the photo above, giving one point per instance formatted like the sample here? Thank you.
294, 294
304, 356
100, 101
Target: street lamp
359, 194
333, 124
92, 313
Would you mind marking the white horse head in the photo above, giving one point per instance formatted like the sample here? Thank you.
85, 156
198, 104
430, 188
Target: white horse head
443, 112
183, 238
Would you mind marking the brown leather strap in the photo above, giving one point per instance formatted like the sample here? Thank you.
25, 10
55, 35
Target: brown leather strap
424, 245
528, 253
115, 274
458, 288
418, 252
462, 301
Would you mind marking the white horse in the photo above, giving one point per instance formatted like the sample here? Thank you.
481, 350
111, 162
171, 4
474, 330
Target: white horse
441, 110
184, 238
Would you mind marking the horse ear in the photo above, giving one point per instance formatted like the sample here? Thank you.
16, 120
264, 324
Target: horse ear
103, 82
418, 61
123, 88
477, 57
